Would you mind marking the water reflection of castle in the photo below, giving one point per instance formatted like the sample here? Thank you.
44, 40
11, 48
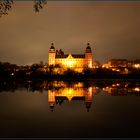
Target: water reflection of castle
71, 93
61, 91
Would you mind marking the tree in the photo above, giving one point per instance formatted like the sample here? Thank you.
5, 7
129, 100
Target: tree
39, 4
6, 6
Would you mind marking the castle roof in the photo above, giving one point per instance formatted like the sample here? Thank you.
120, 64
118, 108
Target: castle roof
52, 46
88, 47
78, 55
61, 56
73, 55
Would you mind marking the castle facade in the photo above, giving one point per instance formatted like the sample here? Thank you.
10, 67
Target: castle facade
73, 61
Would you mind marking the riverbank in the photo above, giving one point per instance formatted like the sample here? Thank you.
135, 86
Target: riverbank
75, 77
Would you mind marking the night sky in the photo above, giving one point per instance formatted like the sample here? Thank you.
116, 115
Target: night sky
112, 29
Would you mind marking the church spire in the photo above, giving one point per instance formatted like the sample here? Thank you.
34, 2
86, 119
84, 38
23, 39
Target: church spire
88, 48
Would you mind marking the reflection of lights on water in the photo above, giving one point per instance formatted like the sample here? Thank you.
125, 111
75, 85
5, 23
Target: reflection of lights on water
137, 89
113, 85
118, 84
118, 70
29, 81
80, 85
137, 65
70, 91
90, 89
58, 84
126, 85
107, 89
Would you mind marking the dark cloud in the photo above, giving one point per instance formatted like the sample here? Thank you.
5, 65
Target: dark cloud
112, 28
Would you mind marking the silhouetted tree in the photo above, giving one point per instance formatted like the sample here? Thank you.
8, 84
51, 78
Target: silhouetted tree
41, 63
88, 71
39, 4
6, 6
70, 72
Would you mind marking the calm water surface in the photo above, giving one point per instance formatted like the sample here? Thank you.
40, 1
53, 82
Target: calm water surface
98, 108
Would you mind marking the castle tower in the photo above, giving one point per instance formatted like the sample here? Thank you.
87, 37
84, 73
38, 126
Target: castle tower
52, 55
88, 98
51, 99
88, 56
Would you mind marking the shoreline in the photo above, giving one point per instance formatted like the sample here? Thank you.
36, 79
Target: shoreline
75, 78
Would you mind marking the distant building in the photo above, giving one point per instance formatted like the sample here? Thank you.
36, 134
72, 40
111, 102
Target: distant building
135, 63
122, 65
115, 63
73, 61
118, 63
96, 64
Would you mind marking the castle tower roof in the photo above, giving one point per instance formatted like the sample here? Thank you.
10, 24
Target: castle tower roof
88, 48
51, 106
52, 46
88, 106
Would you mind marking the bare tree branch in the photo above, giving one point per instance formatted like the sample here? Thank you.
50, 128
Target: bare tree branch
6, 6
39, 4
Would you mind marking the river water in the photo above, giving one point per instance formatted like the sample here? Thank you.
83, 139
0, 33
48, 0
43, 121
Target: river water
70, 109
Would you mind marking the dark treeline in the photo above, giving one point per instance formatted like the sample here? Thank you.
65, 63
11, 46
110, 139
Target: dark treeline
40, 70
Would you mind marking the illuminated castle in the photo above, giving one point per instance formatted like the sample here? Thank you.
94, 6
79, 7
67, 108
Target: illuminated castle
72, 61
